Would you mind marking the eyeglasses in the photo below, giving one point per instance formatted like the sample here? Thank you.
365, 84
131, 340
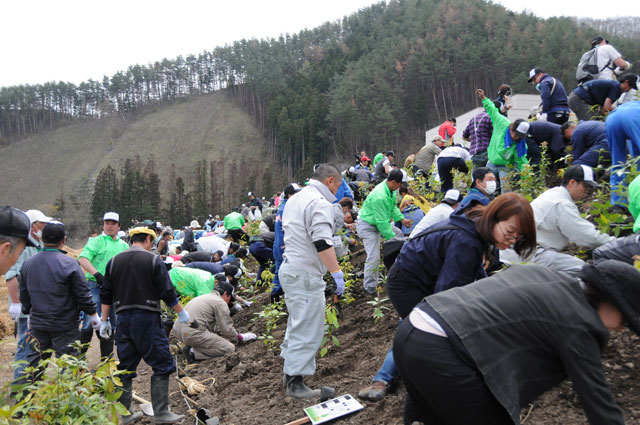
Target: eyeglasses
509, 236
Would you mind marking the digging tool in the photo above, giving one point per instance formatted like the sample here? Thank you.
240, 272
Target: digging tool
194, 324
145, 406
337, 305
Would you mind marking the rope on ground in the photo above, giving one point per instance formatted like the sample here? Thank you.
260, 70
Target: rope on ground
528, 413
194, 387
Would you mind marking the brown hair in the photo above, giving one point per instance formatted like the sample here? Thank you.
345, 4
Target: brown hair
500, 209
346, 202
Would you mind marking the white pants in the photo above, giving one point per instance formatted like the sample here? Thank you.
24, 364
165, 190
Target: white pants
304, 296
370, 236
546, 257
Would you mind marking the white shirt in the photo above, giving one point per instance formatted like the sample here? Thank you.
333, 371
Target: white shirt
558, 222
435, 215
213, 244
455, 152
607, 54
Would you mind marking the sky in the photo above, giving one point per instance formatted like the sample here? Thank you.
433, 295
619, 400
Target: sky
77, 40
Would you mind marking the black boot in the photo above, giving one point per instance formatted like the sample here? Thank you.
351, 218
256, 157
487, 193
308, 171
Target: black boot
296, 388
85, 339
125, 400
106, 347
160, 401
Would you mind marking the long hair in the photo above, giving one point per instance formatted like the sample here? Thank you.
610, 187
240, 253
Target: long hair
500, 209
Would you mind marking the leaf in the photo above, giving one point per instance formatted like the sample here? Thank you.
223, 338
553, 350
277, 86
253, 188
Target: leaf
113, 396
323, 352
335, 340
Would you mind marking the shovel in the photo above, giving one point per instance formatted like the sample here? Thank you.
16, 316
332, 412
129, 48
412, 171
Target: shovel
145, 406
337, 305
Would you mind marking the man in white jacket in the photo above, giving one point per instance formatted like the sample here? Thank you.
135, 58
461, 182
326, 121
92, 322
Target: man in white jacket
558, 222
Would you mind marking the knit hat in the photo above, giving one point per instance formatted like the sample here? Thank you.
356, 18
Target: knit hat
620, 283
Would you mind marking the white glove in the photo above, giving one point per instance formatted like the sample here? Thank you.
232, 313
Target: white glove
29, 323
247, 303
14, 310
95, 322
105, 329
183, 316
543, 117
246, 337
237, 307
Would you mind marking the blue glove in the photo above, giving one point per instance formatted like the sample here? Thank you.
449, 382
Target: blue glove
183, 317
105, 329
338, 277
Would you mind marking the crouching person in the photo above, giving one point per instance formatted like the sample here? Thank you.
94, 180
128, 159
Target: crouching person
545, 325
134, 283
214, 330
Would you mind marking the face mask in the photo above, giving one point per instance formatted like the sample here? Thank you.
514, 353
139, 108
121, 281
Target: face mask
538, 87
491, 187
38, 235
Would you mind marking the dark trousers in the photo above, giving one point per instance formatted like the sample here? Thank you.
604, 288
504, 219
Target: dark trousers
534, 153
596, 154
442, 389
403, 292
237, 234
445, 166
263, 254
558, 117
140, 335
58, 341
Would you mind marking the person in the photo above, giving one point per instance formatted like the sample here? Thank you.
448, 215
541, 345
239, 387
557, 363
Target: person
94, 258
189, 241
255, 207
588, 142
555, 104
482, 188
234, 223
627, 247
545, 325
609, 60
13, 278
261, 247
451, 158
278, 242
53, 292
344, 191
478, 133
623, 136
558, 222
427, 154
235, 256
411, 197
308, 223
440, 212
450, 255
362, 171
15, 228
163, 244
190, 281
365, 162
208, 256
383, 168
504, 93
447, 129
541, 132
374, 222
215, 327
135, 282
208, 266
595, 98
508, 147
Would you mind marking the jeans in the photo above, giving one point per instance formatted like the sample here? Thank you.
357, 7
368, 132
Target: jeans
503, 173
445, 166
388, 372
22, 349
95, 296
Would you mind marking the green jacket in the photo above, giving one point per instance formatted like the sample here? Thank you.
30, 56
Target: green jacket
233, 221
191, 282
377, 158
498, 154
99, 250
634, 202
379, 207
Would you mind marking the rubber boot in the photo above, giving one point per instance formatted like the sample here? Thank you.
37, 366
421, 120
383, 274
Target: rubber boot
160, 401
106, 346
85, 339
125, 400
296, 388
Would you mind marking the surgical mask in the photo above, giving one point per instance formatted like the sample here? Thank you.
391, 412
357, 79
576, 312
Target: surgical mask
38, 235
538, 87
491, 187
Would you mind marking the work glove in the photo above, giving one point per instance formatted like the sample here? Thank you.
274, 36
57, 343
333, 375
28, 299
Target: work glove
543, 117
99, 278
29, 323
338, 277
183, 317
95, 322
14, 311
105, 329
247, 303
237, 307
246, 337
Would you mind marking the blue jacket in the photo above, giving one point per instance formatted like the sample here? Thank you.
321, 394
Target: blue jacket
553, 99
444, 259
473, 197
596, 92
278, 243
543, 131
586, 135
343, 191
213, 268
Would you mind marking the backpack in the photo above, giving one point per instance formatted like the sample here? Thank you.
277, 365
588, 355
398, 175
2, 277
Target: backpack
588, 66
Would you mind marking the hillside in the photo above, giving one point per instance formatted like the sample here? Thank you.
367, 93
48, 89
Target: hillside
64, 162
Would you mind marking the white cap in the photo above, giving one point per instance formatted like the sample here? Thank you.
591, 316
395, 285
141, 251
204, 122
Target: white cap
169, 260
249, 194
532, 73
452, 195
522, 129
194, 224
122, 234
238, 273
588, 176
38, 216
112, 216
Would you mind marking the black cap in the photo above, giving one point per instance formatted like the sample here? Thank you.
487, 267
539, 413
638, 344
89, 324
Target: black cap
292, 189
15, 223
631, 78
390, 153
241, 253
53, 233
224, 286
597, 40
620, 283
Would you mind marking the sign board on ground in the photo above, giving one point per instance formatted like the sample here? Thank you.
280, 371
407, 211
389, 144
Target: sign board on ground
332, 409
